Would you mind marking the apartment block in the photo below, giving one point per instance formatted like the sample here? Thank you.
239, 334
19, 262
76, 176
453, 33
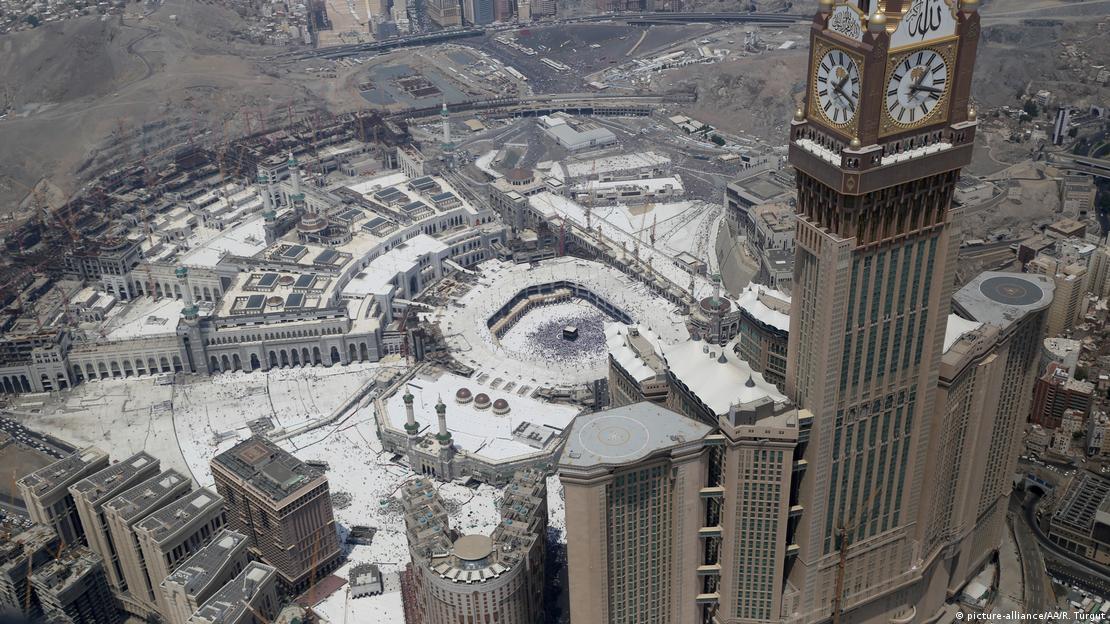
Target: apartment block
249, 598
1056, 392
74, 588
19, 555
282, 505
172, 534
122, 513
46, 492
91, 493
200, 576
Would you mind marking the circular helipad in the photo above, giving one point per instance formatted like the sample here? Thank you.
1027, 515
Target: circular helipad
473, 547
1010, 290
613, 437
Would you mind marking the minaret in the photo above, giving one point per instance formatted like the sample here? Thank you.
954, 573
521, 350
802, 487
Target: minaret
445, 123
444, 436
190, 310
446, 449
189, 330
411, 426
263, 182
294, 173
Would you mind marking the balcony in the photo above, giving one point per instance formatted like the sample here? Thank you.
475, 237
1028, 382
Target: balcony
712, 531
796, 511
703, 599
713, 569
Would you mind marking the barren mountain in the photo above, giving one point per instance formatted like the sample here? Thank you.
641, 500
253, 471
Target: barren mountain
82, 92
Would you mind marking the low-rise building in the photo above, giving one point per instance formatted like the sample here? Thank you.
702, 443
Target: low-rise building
1081, 521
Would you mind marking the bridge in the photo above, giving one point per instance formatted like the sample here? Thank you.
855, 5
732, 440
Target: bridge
574, 103
340, 51
1098, 167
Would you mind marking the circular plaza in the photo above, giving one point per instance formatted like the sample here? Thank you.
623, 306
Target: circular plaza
541, 325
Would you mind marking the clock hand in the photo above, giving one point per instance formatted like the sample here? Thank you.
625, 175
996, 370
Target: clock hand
926, 89
839, 89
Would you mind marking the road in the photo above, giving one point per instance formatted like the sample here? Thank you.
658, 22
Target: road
1069, 564
1036, 584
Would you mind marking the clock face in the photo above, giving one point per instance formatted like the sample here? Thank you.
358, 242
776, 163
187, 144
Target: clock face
837, 87
916, 85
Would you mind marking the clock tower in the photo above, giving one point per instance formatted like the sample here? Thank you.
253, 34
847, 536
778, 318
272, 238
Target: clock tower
877, 147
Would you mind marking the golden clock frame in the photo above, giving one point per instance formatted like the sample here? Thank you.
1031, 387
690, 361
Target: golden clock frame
821, 47
946, 49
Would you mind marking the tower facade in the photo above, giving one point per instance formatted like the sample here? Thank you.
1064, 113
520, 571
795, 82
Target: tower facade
283, 506
877, 149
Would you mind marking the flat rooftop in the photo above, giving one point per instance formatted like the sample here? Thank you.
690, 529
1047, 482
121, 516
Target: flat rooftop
70, 570
207, 563
62, 473
115, 478
1081, 504
479, 431
141, 317
148, 495
763, 187
1001, 298
231, 600
267, 467
719, 377
165, 522
246, 239
615, 163
627, 434
377, 278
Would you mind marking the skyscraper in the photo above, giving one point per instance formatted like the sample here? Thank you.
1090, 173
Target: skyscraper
984, 391
89, 496
46, 492
282, 505
877, 485
878, 151
682, 514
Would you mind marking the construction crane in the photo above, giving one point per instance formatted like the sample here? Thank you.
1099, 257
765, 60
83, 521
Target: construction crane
31, 571
843, 537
